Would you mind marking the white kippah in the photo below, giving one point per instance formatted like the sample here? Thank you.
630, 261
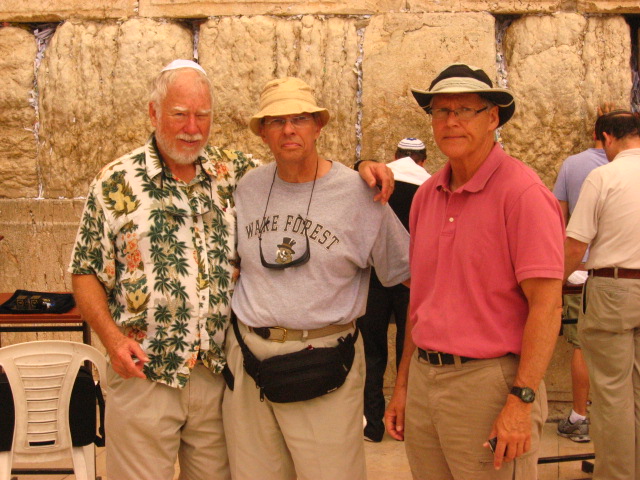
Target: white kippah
183, 64
411, 144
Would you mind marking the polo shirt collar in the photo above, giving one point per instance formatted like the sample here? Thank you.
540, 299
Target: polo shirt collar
481, 177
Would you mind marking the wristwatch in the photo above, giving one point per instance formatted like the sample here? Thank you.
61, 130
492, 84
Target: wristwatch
526, 394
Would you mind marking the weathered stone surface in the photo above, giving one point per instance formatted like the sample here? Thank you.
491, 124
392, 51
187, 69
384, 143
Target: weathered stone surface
54, 10
94, 87
208, 8
18, 171
35, 252
492, 6
404, 51
561, 67
241, 54
609, 6
38, 237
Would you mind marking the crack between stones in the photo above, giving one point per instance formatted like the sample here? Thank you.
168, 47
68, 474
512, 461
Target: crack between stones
43, 34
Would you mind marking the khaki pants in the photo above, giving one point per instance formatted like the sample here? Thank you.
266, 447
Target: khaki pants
570, 309
149, 425
609, 332
317, 439
449, 414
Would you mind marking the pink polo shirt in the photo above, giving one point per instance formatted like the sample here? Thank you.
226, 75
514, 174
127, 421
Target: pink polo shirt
471, 248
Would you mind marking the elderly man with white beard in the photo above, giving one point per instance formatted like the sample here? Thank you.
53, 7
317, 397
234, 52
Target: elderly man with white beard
154, 265
153, 270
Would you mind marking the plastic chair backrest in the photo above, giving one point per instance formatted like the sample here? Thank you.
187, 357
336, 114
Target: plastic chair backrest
41, 375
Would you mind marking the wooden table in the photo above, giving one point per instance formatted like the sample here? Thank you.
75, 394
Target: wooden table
44, 322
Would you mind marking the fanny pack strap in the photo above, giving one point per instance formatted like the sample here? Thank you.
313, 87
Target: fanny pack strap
252, 364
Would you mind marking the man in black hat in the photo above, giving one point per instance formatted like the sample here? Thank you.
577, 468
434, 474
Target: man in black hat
487, 264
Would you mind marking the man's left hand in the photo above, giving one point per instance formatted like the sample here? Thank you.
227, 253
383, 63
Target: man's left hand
513, 430
375, 173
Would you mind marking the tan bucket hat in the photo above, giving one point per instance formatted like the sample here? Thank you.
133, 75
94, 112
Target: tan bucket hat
286, 96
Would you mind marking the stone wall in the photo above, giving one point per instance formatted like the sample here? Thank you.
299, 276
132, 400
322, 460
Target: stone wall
75, 84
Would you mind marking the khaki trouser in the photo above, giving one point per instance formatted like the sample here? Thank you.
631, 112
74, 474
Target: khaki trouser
570, 309
317, 439
149, 425
609, 332
449, 414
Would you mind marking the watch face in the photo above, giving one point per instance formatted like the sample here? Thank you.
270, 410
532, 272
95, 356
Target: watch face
527, 395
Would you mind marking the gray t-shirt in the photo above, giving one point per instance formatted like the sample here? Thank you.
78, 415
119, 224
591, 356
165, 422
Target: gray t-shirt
348, 233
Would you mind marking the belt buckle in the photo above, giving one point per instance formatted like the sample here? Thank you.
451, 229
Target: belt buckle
284, 335
439, 354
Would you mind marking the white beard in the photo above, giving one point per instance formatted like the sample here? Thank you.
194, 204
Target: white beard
168, 146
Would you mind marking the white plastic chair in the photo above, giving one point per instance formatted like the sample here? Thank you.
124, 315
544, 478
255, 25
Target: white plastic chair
41, 375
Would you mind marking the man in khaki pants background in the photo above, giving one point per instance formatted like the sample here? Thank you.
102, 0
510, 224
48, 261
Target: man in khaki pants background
607, 219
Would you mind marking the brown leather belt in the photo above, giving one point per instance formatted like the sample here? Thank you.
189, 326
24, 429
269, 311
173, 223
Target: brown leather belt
616, 272
281, 334
439, 358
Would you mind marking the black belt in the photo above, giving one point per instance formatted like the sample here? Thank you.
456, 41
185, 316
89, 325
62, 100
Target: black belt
439, 358
633, 273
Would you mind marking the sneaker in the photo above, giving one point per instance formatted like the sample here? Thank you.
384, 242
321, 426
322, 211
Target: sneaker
578, 432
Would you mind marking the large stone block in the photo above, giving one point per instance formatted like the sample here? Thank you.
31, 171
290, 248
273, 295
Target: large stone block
18, 170
402, 51
209, 8
242, 53
609, 6
38, 238
560, 68
94, 88
54, 10
492, 6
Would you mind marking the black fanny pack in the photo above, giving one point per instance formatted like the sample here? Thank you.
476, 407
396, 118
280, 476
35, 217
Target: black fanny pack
303, 375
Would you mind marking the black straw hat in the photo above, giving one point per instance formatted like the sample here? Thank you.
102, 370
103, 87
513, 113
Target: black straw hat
461, 78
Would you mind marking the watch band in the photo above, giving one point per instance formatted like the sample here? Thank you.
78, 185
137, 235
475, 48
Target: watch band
526, 394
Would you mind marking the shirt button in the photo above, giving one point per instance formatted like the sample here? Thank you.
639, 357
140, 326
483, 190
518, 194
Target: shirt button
450, 219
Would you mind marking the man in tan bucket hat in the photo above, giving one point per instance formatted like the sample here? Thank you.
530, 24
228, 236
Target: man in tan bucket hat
295, 313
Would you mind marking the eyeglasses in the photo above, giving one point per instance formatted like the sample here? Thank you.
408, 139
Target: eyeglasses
278, 123
285, 250
462, 113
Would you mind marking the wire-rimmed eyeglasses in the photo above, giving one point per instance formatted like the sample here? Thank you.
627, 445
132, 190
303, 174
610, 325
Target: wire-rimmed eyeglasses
462, 113
297, 121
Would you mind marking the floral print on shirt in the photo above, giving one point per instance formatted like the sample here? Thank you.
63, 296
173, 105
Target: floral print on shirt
164, 251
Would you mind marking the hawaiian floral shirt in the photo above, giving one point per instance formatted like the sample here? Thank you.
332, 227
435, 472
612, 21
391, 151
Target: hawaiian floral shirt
165, 253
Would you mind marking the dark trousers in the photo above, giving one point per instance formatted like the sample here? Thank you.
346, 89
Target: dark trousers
382, 304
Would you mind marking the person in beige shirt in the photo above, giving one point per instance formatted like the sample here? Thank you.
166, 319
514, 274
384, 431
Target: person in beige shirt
607, 217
